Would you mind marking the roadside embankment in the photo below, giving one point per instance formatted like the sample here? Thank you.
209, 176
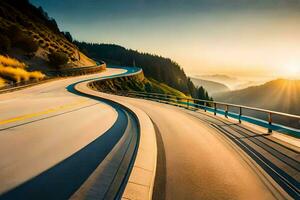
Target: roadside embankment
137, 82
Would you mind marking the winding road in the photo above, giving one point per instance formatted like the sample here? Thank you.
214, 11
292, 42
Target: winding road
53, 139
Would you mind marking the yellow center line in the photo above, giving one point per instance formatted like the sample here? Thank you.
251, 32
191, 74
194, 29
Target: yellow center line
44, 112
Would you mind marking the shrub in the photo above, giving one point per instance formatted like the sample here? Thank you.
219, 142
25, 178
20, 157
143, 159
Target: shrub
14, 74
11, 62
15, 33
43, 35
19, 74
2, 82
36, 75
22, 41
27, 44
58, 58
68, 36
4, 43
51, 49
40, 41
14, 70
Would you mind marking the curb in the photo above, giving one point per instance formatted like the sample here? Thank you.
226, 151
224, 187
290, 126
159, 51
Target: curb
141, 180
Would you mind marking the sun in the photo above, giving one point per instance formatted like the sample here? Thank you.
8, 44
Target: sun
291, 70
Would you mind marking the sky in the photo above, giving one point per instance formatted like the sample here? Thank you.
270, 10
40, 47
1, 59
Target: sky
254, 38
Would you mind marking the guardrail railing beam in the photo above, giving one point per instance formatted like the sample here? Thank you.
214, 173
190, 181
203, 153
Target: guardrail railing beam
215, 109
212, 106
270, 122
240, 115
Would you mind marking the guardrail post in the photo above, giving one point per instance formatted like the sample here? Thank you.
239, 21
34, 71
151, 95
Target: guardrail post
270, 122
166, 99
161, 99
188, 102
226, 111
205, 106
240, 115
215, 109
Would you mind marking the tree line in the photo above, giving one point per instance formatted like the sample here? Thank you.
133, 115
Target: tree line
157, 67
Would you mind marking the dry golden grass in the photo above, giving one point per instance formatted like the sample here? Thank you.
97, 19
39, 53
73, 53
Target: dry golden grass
36, 75
2, 82
14, 70
11, 62
19, 74
15, 74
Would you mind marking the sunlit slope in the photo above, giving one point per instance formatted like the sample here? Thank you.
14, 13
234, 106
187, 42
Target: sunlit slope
137, 83
279, 95
30, 35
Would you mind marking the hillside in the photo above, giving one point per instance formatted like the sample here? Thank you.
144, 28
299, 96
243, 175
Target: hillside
212, 87
162, 70
280, 95
28, 34
137, 83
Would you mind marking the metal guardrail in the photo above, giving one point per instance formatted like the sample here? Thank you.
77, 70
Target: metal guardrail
216, 108
78, 70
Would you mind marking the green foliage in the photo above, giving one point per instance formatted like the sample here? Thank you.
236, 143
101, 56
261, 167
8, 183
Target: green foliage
134, 83
202, 94
68, 36
57, 59
163, 70
156, 87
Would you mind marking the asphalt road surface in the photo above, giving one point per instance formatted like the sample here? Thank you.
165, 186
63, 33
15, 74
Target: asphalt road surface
208, 157
200, 156
45, 124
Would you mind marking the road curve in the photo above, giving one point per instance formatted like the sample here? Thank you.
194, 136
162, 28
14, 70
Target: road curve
196, 158
202, 162
52, 139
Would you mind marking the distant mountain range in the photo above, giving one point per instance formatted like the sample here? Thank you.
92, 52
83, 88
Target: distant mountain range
278, 95
219, 77
232, 82
212, 87
229, 81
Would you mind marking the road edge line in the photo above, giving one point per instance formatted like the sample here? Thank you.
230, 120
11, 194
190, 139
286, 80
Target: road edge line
140, 183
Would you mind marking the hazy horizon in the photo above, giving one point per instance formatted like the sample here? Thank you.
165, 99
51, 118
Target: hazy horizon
237, 38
